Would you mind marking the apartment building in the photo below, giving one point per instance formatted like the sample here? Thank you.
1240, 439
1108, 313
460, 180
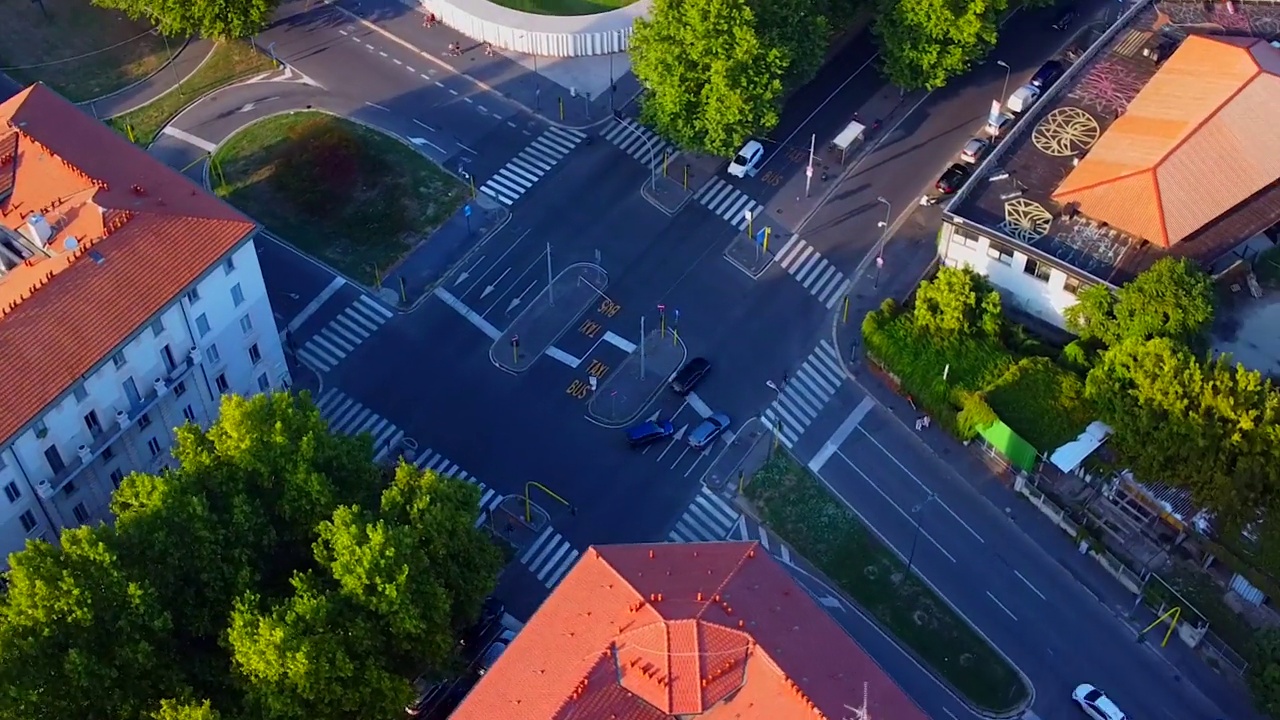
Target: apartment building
131, 300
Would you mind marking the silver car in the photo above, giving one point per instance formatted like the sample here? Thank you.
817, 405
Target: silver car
708, 430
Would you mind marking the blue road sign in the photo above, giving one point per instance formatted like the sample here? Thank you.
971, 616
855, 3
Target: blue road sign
466, 210
760, 236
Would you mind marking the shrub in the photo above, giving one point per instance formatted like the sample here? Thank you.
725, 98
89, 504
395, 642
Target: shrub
1043, 403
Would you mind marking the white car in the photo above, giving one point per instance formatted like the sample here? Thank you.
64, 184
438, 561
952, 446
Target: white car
748, 160
1096, 704
999, 125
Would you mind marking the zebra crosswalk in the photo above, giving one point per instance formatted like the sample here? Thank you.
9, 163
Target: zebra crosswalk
489, 498
709, 518
728, 202
549, 557
349, 417
811, 270
324, 350
805, 394
520, 173
639, 142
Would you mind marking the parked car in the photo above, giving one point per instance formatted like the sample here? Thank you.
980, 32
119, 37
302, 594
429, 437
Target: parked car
650, 432
1065, 18
975, 150
748, 160
690, 375
425, 692
1048, 74
997, 126
708, 430
494, 651
953, 179
1096, 704
491, 612
1022, 99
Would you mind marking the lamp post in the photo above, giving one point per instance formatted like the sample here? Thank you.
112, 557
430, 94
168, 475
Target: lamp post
884, 227
915, 537
537, 86
1004, 92
653, 153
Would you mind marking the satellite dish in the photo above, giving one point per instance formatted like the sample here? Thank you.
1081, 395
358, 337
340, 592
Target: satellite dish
71, 244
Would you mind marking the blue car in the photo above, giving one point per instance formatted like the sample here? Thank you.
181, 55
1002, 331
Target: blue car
650, 432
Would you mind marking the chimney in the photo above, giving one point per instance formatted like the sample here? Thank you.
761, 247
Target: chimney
37, 229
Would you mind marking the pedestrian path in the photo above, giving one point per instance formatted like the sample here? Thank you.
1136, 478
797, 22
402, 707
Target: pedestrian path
818, 276
349, 417
520, 173
709, 518
639, 142
805, 394
324, 350
728, 202
441, 465
549, 557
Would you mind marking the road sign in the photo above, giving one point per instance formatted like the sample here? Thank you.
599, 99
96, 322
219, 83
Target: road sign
593, 382
879, 262
808, 171
760, 236
515, 341
662, 308
466, 210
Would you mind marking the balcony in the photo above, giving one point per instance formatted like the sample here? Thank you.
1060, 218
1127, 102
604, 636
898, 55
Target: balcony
120, 424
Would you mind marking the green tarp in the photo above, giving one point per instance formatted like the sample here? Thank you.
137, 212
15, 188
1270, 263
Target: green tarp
1018, 451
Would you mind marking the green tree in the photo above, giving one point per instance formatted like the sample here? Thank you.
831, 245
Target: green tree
1172, 299
218, 19
955, 303
1264, 672
716, 71
925, 43
185, 710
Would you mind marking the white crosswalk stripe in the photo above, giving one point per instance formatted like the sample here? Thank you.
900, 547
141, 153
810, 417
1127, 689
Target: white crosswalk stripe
639, 142
349, 417
709, 518
549, 557
805, 394
818, 276
354, 325
522, 171
489, 498
728, 202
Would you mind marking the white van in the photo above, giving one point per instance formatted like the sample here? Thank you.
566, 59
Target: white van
1022, 99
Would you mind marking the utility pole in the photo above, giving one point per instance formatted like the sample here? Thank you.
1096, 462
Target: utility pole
915, 538
551, 293
808, 171
642, 341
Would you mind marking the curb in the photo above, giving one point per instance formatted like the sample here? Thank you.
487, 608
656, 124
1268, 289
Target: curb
615, 425
162, 93
499, 340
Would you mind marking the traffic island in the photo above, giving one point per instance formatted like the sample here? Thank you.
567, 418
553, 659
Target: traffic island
518, 528
751, 254
666, 194
732, 462
799, 509
625, 394
548, 316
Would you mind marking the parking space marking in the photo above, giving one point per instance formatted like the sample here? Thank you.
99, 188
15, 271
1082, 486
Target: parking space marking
556, 353
619, 342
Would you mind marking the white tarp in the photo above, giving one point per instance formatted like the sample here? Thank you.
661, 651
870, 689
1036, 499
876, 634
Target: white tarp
1069, 456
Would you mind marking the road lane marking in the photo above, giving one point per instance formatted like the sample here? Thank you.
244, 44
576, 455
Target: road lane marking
698, 405
409, 68
493, 266
333, 287
190, 139
841, 434
1028, 582
924, 487
556, 353
419, 123
472, 316
469, 100
423, 141
464, 147
895, 505
382, 53
452, 91
396, 61
620, 342
1002, 607
376, 106
368, 46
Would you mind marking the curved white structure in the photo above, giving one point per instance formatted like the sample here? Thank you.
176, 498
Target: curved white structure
544, 35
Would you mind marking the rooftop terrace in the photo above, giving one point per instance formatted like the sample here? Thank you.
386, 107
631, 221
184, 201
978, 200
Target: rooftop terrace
1012, 192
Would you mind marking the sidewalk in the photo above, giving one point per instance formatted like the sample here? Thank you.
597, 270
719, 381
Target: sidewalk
183, 63
421, 271
538, 84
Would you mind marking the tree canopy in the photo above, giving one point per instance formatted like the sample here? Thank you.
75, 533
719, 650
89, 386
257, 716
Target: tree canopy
275, 574
957, 301
1172, 299
925, 43
217, 19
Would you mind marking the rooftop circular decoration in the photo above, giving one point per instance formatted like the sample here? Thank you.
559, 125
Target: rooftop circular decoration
1066, 132
567, 8
1025, 220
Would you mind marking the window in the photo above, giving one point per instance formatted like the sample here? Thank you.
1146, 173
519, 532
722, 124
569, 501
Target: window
221, 382
12, 492
157, 327
237, 295
28, 519
202, 324
1072, 285
180, 389
246, 325
964, 239
228, 266
55, 459
1037, 269
255, 355
264, 383
1000, 254
70, 488
81, 513
117, 477
211, 354
154, 446
144, 421
189, 414
193, 295
91, 422
118, 359
40, 428
108, 452
80, 394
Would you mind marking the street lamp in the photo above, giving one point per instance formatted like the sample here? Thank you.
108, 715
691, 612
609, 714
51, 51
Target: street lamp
915, 538
653, 153
883, 225
537, 87
1004, 92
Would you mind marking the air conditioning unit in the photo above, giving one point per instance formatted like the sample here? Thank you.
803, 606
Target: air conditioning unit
160, 386
122, 417
44, 489
194, 353
84, 453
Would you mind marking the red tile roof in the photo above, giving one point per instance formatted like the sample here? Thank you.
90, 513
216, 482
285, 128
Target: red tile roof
720, 631
1197, 141
142, 231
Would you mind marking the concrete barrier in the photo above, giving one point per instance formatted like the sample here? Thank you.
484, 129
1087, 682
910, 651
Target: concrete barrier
543, 35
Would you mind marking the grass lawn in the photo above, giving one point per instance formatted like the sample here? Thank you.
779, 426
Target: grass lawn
564, 7
230, 61
801, 510
110, 51
350, 196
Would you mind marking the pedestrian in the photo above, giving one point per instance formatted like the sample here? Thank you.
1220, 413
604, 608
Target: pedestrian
785, 377
488, 49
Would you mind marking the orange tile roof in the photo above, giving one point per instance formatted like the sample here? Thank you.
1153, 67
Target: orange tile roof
1196, 142
716, 630
142, 233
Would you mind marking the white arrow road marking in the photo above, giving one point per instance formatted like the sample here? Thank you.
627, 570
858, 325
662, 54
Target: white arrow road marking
494, 285
251, 105
675, 440
423, 141
654, 416
520, 298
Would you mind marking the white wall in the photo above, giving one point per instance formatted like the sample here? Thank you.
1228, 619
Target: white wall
1033, 285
